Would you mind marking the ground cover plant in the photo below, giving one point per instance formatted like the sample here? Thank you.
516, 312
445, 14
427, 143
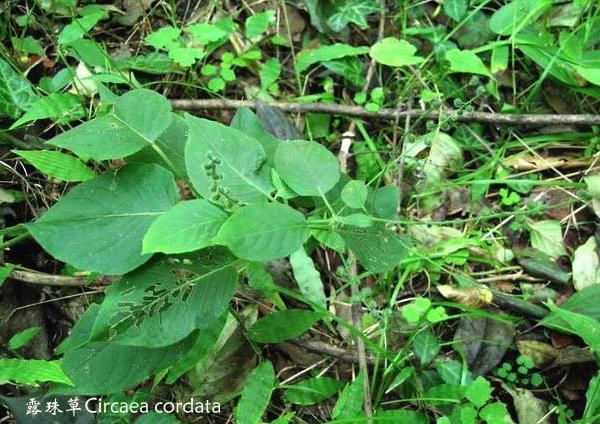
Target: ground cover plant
345, 211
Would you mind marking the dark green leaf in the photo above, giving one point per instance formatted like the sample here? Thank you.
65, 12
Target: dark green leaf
312, 390
100, 224
256, 394
283, 325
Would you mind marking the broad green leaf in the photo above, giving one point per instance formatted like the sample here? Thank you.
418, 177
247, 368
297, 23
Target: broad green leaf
104, 368
307, 167
495, 413
400, 378
586, 265
172, 144
247, 122
284, 325
31, 372
308, 57
16, 92
185, 56
383, 202
270, 73
359, 220
205, 33
241, 161
203, 346
264, 231
354, 194
27, 45
352, 11
499, 59
479, 392
261, 280
188, 226
80, 26
5, 272
426, 346
467, 62
126, 130
515, 15
592, 395
307, 277
57, 165
257, 24
23, 337
394, 52
100, 224
61, 107
377, 248
456, 9
546, 236
312, 390
154, 417
256, 394
162, 304
165, 37
585, 327
350, 402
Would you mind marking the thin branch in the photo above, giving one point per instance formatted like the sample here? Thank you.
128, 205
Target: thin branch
196, 105
57, 280
324, 348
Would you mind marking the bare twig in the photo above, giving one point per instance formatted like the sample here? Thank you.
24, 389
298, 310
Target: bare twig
331, 350
56, 280
195, 105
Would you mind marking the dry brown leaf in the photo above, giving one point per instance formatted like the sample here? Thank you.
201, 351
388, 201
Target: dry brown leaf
470, 296
539, 352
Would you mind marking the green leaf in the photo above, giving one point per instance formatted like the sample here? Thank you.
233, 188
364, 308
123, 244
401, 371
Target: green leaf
377, 248
269, 73
350, 402
5, 272
247, 122
394, 52
57, 165
283, 325
354, 194
241, 161
515, 15
496, 413
257, 24
456, 9
188, 226
479, 392
125, 131
307, 167
166, 37
23, 337
61, 107
162, 304
466, 61
256, 394
308, 57
31, 372
312, 390
592, 395
185, 56
205, 33
546, 236
585, 327
80, 26
586, 265
426, 346
356, 219
352, 11
16, 92
264, 231
307, 277
100, 224
400, 378
401, 416
27, 45
93, 366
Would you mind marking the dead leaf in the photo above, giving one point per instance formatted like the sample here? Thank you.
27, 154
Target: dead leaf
586, 265
530, 410
484, 342
133, 10
540, 353
470, 296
